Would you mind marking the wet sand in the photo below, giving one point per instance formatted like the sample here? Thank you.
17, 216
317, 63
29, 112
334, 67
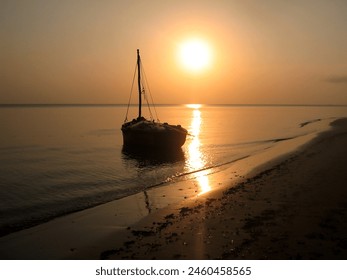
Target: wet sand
293, 207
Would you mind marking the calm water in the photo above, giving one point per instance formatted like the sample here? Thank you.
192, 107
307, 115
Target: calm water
56, 160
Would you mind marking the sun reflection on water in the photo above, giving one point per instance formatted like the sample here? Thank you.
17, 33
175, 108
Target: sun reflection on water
195, 156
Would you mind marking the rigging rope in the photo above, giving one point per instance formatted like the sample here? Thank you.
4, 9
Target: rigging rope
150, 94
149, 107
131, 91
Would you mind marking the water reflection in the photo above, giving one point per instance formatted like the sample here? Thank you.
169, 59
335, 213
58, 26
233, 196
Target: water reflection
195, 159
153, 157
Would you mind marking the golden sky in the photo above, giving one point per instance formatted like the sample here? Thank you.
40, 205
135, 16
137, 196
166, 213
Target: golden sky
260, 52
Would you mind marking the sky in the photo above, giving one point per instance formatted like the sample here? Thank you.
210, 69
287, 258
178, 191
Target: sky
261, 52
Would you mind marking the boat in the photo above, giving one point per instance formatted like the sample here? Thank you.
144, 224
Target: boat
145, 134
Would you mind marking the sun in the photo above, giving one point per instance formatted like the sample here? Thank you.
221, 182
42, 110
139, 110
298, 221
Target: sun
194, 55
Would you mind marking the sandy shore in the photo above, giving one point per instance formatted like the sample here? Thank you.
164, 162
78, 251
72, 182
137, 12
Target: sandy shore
288, 207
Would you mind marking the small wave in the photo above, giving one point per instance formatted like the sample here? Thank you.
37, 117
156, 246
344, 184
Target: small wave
102, 132
210, 167
264, 141
12, 149
309, 122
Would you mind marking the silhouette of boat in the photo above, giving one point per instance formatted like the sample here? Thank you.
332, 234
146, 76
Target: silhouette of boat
141, 133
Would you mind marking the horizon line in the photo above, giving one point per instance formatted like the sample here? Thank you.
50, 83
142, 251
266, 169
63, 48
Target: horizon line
165, 104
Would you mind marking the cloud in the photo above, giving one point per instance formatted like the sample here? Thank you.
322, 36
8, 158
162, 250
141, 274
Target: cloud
341, 79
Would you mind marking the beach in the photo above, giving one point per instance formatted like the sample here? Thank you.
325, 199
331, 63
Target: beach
285, 203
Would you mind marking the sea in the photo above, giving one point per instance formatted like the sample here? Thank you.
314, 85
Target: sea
59, 159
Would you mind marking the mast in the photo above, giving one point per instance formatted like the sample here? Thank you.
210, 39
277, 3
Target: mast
139, 80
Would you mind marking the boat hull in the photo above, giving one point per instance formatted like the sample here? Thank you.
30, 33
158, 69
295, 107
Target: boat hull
158, 136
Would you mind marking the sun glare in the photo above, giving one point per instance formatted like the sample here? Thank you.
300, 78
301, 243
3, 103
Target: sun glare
195, 156
193, 106
195, 55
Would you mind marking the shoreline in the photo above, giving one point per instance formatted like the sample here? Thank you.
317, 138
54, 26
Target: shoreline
172, 222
